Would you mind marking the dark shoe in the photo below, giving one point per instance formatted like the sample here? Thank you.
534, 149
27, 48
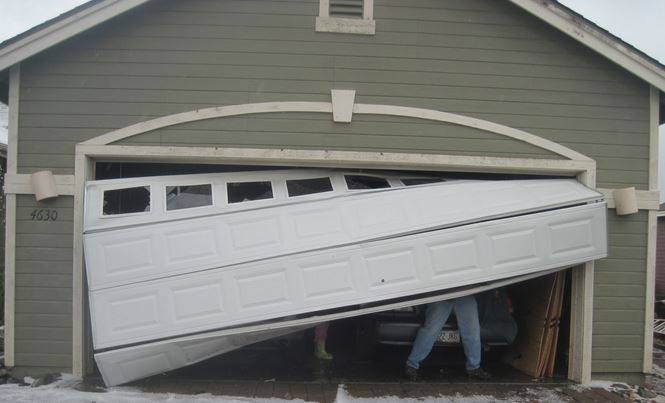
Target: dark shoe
410, 373
479, 373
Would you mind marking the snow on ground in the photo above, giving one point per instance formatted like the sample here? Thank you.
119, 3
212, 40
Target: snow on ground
529, 395
64, 391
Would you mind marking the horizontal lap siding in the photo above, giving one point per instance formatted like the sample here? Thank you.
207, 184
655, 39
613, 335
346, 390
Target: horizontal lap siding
660, 259
479, 58
482, 58
619, 297
303, 131
44, 284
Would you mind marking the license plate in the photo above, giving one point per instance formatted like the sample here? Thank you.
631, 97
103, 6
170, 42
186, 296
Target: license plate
449, 336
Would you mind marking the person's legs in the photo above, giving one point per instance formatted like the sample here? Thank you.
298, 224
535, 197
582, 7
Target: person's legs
321, 332
466, 311
435, 317
320, 336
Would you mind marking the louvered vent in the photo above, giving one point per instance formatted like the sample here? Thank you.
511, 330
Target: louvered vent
346, 8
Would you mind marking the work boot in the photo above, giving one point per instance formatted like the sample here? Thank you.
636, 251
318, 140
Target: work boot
410, 373
478, 373
320, 351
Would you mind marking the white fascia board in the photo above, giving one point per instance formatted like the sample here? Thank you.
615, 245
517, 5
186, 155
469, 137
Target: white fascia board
587, 34
62, 30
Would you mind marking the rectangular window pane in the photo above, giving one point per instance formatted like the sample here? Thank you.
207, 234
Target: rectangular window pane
128, 200
301, 187
420, 181
248, 191
359, 182
182, 197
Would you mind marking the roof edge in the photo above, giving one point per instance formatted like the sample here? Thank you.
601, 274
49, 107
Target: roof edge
601, 41
63, 29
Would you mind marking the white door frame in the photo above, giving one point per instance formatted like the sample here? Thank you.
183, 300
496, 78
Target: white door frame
101, 148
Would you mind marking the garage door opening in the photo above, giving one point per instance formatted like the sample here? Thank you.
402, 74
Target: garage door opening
347, 353
363, 354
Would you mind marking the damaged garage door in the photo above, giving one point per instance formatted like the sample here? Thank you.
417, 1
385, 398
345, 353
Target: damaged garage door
182, 268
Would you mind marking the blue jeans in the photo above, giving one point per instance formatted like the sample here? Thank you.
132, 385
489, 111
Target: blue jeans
436, 316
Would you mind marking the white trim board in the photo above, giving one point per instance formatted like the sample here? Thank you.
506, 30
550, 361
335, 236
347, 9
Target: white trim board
20, 184
327, 107
652, 232
646, 199
64, 29
586, 33
10, 219
339, 159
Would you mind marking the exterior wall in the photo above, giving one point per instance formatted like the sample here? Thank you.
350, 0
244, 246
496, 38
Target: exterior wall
619, 296
480, 58
44, 285
660, 260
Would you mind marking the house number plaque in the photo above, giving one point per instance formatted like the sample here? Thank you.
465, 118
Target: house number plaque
44, 215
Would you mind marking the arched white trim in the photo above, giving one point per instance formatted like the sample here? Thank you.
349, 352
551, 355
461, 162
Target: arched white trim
462, 120
326, 107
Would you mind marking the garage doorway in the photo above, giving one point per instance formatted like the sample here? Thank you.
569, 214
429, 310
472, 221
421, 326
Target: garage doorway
353, 362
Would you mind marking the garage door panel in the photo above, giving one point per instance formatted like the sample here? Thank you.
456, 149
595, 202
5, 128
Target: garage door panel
143, 250
285, 286
126, 365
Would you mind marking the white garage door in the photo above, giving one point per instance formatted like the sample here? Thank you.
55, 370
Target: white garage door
169, 257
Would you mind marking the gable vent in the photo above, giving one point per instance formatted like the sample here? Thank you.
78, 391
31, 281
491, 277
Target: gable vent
346, 8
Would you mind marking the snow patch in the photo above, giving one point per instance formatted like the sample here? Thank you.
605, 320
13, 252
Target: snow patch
63, 391
607, 385
530, 395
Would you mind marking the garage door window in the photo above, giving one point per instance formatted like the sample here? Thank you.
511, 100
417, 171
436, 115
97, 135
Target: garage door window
302, 187
127, 200
420, 181
183, 197
363, 182
239, 192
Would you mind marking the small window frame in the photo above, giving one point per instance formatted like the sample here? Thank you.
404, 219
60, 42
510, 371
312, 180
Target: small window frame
316, 194
212, 196
102, 215
346, 184
364, 26
402, 179
273, 188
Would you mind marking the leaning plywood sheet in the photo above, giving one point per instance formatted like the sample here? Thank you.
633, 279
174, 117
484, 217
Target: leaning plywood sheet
354, 274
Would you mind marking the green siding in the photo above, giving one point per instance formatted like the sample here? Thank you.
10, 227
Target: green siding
619, 292
367, 133
481, 58
44, 285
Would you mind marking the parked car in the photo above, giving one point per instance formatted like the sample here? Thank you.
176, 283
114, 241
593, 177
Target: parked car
399, 326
